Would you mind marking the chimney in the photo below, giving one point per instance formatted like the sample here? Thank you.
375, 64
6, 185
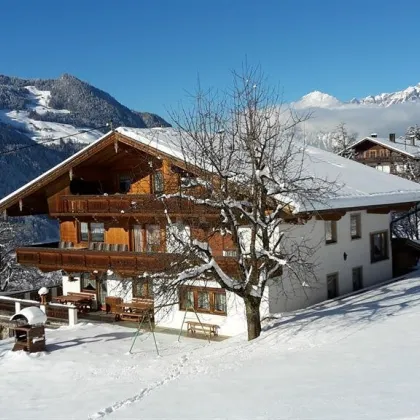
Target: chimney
374, 135
413, 140
392, 137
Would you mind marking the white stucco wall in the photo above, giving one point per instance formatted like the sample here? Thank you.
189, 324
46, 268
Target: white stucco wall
71, 286
231, 324
119, 288
288, 295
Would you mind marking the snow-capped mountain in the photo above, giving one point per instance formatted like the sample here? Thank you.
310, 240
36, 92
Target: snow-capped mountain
317, 99
383, 113
43, 109
34, 110
410, 95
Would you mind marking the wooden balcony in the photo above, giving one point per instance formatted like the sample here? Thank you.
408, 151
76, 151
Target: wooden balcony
127, 263
129, 205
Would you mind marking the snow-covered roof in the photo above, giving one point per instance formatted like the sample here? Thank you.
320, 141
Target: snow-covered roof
358, 185
399, 145
350, 176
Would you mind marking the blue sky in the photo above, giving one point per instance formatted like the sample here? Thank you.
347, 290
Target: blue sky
148, 53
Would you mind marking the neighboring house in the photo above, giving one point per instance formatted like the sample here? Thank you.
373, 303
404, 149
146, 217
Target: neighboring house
391, 155
113, 230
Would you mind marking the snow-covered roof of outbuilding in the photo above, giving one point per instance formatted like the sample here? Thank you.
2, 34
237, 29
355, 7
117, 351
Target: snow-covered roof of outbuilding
399, 145
359, 186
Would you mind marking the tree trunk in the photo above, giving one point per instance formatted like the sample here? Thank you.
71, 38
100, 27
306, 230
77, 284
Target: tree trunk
253, 319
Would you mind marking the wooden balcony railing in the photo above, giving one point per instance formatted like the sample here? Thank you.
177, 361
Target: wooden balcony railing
128, 204
83, 260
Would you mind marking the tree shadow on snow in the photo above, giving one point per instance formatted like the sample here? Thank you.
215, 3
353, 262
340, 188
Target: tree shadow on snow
355, 311
86, 340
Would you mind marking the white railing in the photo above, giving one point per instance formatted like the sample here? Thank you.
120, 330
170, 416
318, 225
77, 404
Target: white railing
71, 309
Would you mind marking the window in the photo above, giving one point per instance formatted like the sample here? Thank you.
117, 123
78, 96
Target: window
158, 187
97, 232
153, 243
357, 275
142, 288
203, 299
220, 302
88, 282
330, 231
355, 226
84, 232
230, 253
383, 168
378, 246
124, 184
372, 153
332, 286
92, 232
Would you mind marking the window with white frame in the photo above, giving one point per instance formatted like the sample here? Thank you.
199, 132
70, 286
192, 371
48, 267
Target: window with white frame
379, 246
355, 226
330, 231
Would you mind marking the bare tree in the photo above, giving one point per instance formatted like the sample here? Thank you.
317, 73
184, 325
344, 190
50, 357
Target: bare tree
244, 161
13, 276
341, 140
412, 132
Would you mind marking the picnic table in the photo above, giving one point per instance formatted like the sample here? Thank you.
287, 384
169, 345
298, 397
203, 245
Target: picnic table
83, 303
134, 311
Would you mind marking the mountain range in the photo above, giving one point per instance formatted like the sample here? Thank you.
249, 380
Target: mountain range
317, 99
37, 110
383, 114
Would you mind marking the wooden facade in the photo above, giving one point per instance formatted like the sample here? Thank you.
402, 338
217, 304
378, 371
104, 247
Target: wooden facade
383, 156
112, 203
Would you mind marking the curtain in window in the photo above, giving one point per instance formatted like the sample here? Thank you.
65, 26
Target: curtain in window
220, 302
203, 300
84, 232
142, 288
138, 238
88, 282
97, 232
153, 238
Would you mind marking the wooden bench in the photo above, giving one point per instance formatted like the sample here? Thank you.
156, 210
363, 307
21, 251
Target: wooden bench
83, 301
135, 311
145, 301
210, 328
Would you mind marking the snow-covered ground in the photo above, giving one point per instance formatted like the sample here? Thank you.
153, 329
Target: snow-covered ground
350, 359
44, 130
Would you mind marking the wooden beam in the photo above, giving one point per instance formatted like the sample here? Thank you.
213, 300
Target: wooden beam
333, 216
388, 209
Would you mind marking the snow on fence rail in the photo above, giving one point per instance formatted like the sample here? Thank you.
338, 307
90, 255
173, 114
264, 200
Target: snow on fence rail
52, 310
